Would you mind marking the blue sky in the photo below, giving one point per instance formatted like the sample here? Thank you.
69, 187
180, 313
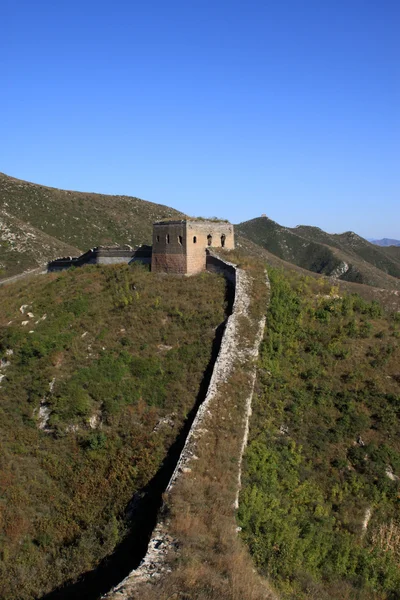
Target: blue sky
234, 109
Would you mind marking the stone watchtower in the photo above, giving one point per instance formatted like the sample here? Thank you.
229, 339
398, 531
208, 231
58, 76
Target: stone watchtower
180, 246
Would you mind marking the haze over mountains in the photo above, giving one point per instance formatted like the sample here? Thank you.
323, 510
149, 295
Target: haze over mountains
39, 223
385, 242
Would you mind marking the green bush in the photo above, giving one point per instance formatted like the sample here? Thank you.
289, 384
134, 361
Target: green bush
312, 469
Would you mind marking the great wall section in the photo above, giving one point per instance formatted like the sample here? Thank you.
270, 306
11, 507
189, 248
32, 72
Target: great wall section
231, 352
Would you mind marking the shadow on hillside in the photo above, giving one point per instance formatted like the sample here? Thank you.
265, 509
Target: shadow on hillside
143, 517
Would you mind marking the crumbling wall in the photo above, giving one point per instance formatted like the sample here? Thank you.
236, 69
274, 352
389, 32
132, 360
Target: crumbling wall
229, 352
103, 255
214, 264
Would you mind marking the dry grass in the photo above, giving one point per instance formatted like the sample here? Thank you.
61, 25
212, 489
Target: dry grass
387, 537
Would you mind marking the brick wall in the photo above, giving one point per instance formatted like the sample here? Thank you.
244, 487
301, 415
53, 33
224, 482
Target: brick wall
169, 247
180, 246
199, 231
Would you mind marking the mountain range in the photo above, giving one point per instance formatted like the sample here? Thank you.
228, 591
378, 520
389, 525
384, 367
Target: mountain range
40, 223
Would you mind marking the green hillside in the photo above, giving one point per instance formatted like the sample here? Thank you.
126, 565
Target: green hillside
289, 246
39, 223
319, 507
346, 256
392, 251
99, 368
355, 246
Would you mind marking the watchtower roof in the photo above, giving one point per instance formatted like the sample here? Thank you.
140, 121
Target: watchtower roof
190, 220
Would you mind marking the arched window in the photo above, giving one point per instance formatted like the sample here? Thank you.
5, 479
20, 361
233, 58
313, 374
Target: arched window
158, 238
194, 239
209, 239
167, 238
223, 240
180, 240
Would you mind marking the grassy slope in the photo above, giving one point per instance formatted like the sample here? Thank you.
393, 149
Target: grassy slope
24, 247
325, 429
121, 347
313, 252
288, 245
392, 251
72, 219
355, 246
388, 298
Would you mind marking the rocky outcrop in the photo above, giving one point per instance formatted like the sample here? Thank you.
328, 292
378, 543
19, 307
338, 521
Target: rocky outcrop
340, 270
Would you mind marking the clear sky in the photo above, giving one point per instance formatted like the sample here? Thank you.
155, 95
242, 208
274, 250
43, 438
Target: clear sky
224, 107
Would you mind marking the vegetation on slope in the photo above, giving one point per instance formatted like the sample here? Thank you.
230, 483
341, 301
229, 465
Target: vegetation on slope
99, 368
388, 298
23, 247
290, 246
346, 257
355, 246
392, 251
319, 508
72, 220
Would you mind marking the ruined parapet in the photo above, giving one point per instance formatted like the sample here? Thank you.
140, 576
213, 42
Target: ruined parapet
103, 255
215, 264
180, 246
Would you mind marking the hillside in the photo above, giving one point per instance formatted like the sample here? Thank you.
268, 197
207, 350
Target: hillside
39, 223
392, 251
346, 256
24, 247
319, 507
355, 246
99, 367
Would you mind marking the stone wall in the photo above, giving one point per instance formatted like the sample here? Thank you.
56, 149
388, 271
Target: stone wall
103, 255
231, 350
180, 246
214, 264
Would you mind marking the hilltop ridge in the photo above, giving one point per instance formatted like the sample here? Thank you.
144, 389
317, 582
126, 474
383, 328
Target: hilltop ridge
345, 256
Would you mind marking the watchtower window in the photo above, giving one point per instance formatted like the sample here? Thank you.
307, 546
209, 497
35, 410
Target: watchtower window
194, 239
180, 239
223, 240
209, 239
167, 238
158, 238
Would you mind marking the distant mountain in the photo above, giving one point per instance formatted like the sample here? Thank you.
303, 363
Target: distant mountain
385, 242
39, 223
345, 256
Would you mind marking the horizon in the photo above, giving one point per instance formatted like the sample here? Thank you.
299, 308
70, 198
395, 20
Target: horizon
224, 109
